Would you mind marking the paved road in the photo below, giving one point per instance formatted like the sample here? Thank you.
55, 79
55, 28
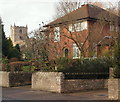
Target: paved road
26, 93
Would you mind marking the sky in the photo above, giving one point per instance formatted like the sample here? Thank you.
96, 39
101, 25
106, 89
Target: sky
28, 12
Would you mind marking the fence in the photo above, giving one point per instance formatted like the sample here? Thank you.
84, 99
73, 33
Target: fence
86, 75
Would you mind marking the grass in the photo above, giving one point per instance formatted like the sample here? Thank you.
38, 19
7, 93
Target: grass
28, 68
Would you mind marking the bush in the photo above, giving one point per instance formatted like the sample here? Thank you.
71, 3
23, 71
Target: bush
17, 66
4, 64
14, 53
4, 60
28, 68
116, 72
116, 61
63, 64
97, 65
13, 59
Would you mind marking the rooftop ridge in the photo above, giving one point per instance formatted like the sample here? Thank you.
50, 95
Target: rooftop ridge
85, 11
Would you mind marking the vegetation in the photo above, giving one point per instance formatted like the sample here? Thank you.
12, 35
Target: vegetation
14, 53
28, 68
116, 61
8, 50
17, 66
36, 46
97, 65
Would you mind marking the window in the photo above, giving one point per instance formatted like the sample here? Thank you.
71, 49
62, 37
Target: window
116, 28
66, 52
111, 27
83, 25
21, 38
20, 31
76, 52
78, 26
71, 29
56, 34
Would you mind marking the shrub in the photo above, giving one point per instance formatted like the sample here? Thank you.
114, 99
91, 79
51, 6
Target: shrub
17, 66
97, 65
28, 68
62, 65
116, 61
13, 59
14, 53
4, 60
4, 64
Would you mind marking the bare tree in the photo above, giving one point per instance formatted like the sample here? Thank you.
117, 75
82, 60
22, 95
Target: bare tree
66, 6
36, 45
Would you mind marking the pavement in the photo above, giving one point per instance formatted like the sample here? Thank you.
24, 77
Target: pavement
26, 93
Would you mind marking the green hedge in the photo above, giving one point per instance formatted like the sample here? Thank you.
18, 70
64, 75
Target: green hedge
116, 61
96, 65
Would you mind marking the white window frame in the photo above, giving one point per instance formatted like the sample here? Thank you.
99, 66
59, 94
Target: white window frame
56, 34
84, 25
76, 52
112, 27
79, 26
71, 29
116, 28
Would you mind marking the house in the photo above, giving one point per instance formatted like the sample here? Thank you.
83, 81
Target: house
85, 31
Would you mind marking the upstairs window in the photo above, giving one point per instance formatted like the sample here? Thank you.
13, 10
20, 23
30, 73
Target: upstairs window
78, 26
84, 25
76, 52
71, 29
56, 34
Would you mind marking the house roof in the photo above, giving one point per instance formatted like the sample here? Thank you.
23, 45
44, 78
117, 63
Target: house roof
87, 11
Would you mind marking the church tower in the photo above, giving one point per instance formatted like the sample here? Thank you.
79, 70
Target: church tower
18, 34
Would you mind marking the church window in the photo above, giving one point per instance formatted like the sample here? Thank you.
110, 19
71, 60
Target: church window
20, 31
21, 38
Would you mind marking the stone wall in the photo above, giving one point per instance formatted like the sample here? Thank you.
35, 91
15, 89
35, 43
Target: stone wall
4, 79
84, 84
9, 79
47, 81
106, 83
55, 82
114, 89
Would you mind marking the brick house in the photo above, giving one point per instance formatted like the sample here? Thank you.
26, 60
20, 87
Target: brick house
87, 31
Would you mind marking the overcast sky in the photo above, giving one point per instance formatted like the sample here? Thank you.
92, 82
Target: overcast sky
30, 12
